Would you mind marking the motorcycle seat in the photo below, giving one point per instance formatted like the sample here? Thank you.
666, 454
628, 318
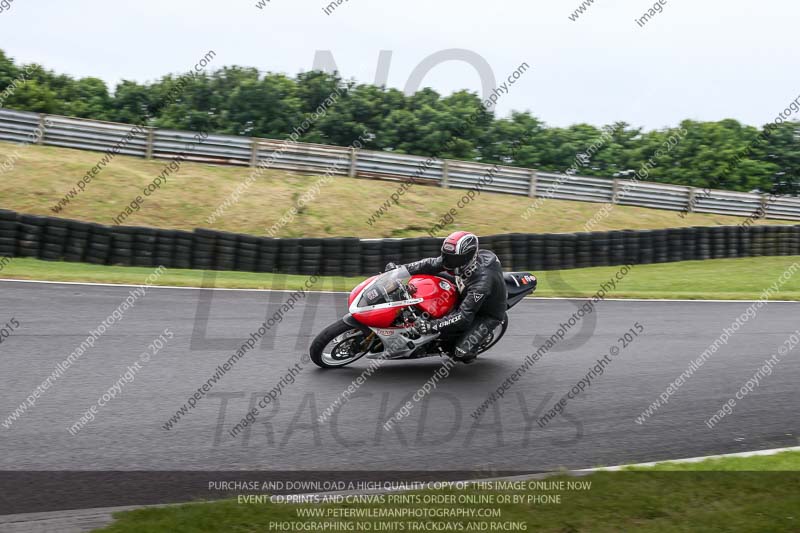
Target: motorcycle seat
519, 283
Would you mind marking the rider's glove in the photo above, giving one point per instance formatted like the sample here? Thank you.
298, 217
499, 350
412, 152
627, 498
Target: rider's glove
425, 327
389, 267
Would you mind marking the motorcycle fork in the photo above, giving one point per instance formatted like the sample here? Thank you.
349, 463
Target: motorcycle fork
367, 343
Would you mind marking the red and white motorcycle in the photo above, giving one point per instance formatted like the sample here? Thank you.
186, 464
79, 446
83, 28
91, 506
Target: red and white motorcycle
382, 313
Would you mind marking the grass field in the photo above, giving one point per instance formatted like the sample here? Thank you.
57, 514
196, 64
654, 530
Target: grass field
782, 462
43, 174
716, 279
728, 495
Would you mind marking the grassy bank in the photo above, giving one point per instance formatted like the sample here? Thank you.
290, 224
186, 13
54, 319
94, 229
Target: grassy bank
782, 462
717, 279
743, 495
43, 175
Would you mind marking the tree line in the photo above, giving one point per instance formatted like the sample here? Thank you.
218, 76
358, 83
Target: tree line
242, 101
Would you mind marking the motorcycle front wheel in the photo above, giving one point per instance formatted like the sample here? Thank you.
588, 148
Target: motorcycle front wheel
338, 345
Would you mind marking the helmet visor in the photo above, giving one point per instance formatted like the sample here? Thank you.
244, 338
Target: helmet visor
453, 261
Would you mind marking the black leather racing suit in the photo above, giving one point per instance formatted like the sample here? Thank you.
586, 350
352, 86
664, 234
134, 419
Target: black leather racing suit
483, 301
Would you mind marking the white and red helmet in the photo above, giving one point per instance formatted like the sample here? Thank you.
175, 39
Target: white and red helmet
459, 251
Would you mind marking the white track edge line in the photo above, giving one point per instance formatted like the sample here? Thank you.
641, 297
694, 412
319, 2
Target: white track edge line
90, 284
756, 453
579, 472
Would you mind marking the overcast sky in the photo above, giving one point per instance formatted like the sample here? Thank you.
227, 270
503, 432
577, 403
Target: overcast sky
700, 60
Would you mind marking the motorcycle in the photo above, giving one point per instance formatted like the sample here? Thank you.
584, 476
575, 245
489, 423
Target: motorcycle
382, 313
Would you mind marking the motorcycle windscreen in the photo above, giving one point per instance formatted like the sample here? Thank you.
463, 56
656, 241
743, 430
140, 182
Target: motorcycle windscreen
387, 288
379, 302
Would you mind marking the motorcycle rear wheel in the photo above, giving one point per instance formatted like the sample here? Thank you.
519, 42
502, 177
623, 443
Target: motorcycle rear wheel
338, 345
497, 334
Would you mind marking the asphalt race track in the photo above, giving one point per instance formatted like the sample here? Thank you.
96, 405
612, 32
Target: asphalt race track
438, 434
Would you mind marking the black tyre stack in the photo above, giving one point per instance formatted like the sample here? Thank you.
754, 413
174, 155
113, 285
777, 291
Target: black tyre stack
310, 255
503, 248
569, 245
351, 262
776, 232
795, 240
786, 240
718, 242
645, 246
410, 250
660, 246
519, 251
689, 243
8, 233
99, 248
225, 251
164, 254
663, 246
392, 251
77, 242
552, 251
745, 241
780, 241
122, 245
54, 239
59, 239
763, 240
583, 250
789, 240
771, 242
30, 235
204, 242
268, 251
675, 245
182, 251
247, 253
732, 241
702, 249
144, 247
757, 240
432, 246
371, 257
601, 249
536, 253
332, 259
631, 239
616, 241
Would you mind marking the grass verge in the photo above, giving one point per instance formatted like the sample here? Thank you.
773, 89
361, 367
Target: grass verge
723, 495
781, 462
716, 279
42, 175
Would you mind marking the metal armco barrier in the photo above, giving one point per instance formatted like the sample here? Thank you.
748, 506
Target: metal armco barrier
57, 239
17, 126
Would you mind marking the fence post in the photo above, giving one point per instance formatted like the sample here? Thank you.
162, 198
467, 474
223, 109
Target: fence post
353, 162
691, 200
615, 191
532, 184
42, 130
253, 152
148, 151
764, 205
446, 174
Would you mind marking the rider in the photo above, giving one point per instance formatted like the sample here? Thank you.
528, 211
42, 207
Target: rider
479, 278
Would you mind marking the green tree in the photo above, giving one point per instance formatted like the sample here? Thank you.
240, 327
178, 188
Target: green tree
238, 100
